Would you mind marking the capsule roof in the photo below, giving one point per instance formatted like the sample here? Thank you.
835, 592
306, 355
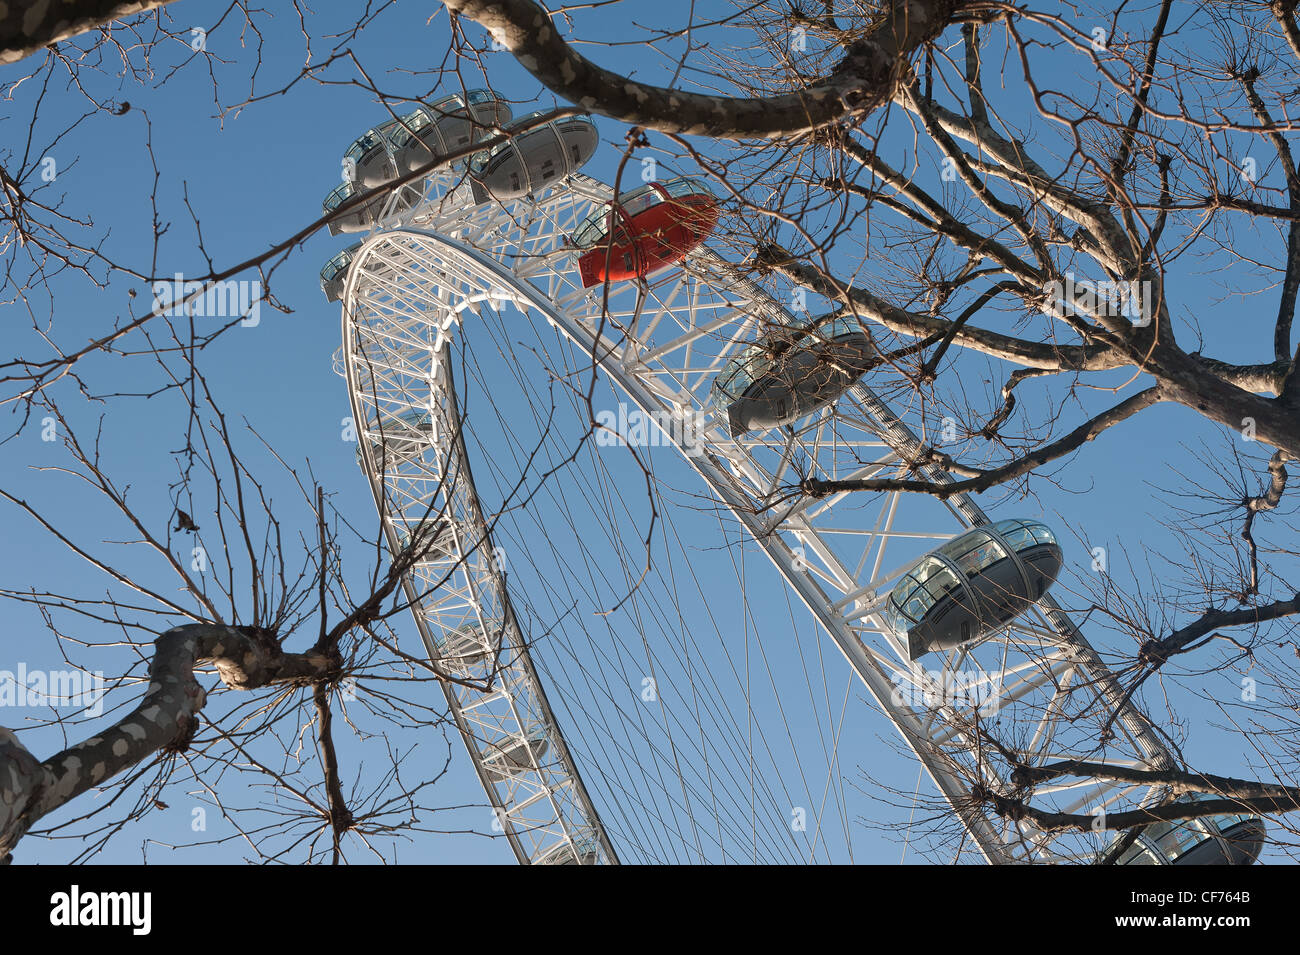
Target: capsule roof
435, 539
413, 419
596, 226
370, 140
395, 133
468, 645
483, 158
517, 753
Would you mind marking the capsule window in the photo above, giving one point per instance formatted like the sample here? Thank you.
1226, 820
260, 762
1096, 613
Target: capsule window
1042, 534
941, 582
593, 227
907, 599
914, 596
841, 326
748, 365
1018, 536
411, 123
448, 103
640, 200
973, 552
338, 196
1181, 838
682, 187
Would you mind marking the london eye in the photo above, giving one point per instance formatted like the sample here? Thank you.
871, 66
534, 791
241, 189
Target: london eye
916, 595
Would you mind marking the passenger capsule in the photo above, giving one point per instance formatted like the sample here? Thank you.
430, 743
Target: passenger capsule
1235, 839
644, 230
449, 124
791, 372
466, 647
516, 753
334, 276
365, 215
582, 851
972, 585
369, 159
532, 160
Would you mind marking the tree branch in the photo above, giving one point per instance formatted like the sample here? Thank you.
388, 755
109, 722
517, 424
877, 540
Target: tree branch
985, 479
246, 658
1007, 347
864, 79
1291, 280
26, 28
1156, 652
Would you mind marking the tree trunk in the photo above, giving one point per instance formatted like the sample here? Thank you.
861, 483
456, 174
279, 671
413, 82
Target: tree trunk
29, 26
246, 658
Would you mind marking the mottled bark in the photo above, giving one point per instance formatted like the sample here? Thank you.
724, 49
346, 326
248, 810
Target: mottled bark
1284, 10
1187, 380
246, 658
865, 78
28, 26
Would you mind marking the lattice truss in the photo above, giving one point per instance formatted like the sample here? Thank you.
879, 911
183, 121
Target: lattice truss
1036, 685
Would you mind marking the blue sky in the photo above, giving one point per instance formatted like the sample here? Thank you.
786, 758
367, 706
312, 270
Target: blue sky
258, 176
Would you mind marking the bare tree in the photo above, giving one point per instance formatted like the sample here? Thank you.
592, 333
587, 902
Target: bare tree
252, 584
870, 157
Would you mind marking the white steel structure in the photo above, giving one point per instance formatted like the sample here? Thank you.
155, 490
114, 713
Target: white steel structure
431, 267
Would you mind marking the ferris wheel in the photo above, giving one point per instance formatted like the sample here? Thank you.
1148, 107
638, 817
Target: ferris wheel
921, 597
